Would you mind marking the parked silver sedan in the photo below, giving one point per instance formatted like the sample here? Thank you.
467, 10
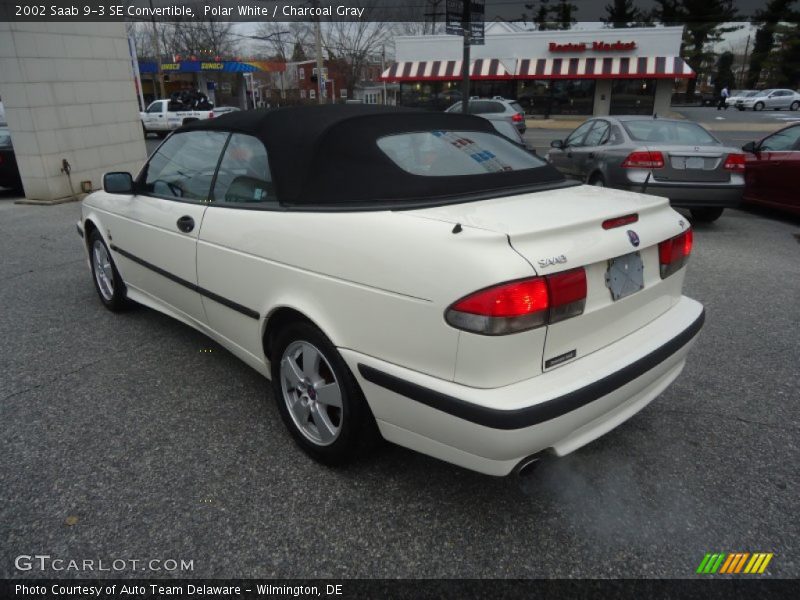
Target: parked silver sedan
679, 160
771, 100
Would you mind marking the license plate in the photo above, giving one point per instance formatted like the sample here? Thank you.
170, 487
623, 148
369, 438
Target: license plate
625, 275
695, 163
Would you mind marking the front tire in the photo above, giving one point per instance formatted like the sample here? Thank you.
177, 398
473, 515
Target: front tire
707, 214
107, 280
318, 398
758, 106
795, 105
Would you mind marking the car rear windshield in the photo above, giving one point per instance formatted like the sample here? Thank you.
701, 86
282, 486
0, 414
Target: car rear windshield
517, 107
669, 132
455, 153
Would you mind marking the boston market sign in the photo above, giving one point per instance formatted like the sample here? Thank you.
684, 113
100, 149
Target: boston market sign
617, 46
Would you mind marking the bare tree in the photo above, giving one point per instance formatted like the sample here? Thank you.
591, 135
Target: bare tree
284, 41
356, 44
210, 37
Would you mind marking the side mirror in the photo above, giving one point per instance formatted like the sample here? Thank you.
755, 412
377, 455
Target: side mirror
750, 147
557, 144
118, 183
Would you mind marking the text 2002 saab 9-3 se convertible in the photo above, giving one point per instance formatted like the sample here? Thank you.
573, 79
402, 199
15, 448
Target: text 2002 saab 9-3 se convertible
410, 273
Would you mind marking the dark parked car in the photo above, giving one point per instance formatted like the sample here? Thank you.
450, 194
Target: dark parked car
676, 159
9, 173
772, 166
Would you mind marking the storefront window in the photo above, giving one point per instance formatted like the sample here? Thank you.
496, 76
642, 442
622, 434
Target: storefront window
633, 96
557, 96
434, 95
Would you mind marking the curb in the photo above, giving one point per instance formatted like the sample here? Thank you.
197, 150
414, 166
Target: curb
31, 202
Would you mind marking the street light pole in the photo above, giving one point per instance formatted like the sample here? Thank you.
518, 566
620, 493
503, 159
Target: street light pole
157, 47
466, 29
318, 41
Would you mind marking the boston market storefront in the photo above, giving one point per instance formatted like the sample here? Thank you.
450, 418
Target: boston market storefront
579, 72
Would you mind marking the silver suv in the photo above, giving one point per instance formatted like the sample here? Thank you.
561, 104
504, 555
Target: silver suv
495, 109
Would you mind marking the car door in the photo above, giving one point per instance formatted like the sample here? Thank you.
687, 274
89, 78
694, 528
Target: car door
153, 115
768, 176
777, 99
562, 158
243, 209
584, 156
153, 233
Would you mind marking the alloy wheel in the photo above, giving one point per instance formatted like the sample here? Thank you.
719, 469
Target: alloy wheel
103, 271
311, 393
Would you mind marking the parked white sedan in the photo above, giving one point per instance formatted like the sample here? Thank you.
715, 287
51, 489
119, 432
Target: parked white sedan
409, 273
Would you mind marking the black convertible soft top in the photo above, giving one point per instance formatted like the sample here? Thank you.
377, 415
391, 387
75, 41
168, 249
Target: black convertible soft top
328, 155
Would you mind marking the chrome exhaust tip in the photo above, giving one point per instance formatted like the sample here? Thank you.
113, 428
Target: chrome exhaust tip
527, 466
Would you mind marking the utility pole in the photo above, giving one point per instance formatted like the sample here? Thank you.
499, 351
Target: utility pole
742, 78
434, 12
465, 26
318, 36
157, 47
383, 68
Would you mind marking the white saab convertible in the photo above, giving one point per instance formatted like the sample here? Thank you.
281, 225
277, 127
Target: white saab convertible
409, 273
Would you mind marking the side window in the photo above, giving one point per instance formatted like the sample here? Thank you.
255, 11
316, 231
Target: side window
615, 136
184, 165
597, 134
576, 137
243, 174
155, 107
783, 141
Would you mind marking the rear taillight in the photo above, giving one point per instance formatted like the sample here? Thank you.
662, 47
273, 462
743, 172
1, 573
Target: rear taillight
620, 221
517, 118
734, 162
674, 253
644, 159
521, 305
211, 115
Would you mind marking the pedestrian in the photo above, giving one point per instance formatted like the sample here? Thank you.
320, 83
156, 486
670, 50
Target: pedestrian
723, 98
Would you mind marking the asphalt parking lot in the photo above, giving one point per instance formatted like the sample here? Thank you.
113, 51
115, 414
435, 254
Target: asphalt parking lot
134, 437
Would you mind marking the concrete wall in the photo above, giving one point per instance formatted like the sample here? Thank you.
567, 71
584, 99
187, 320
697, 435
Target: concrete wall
663, 98
69, 94
602, 96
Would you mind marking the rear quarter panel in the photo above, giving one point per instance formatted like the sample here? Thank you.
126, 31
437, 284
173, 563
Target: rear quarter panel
374, 282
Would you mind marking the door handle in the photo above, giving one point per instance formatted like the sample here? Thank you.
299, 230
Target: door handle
591, 154
186, 224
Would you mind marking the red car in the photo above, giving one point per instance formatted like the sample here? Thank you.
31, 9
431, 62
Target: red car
771, 170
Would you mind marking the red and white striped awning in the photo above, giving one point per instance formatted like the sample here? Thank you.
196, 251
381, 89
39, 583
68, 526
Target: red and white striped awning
616, 67
446, 70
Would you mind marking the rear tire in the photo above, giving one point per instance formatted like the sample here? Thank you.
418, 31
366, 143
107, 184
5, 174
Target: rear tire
707, 214
597, 180
107, 280
320, 402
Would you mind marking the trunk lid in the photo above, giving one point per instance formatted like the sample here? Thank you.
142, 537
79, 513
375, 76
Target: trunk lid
562, 229
692, 163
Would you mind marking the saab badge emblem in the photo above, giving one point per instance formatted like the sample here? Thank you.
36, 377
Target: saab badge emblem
633, 238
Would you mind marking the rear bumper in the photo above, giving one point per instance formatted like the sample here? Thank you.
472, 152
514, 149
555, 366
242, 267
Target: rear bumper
693, 195
492, 430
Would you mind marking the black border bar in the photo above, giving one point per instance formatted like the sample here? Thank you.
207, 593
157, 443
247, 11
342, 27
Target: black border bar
249, 312
538, 413
693, 587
